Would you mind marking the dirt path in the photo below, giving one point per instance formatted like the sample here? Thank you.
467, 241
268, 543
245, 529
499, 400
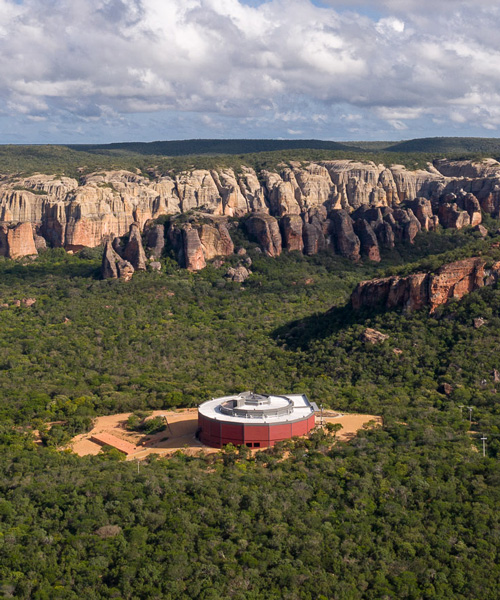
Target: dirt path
180, 433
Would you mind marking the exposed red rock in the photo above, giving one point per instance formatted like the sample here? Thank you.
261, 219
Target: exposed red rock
192, 251
291, 228
215, 240
17, 241
40, 242
445, 388
411, 228
314, 239
407, 224
451, 217
471, 204
346, 241
134, 251
422, 209
75, 214
265, 231
154, 265
451, 281
114, 266
368, 240
455, 280
481, 230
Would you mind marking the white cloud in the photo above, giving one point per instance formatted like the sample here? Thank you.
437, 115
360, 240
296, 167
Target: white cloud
411, 61
390, 26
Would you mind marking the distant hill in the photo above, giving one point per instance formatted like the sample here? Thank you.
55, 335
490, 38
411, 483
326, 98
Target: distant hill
437, 145
448, 145
197, 147
180, 155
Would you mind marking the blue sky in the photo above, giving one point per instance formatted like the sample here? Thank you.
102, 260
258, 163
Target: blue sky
84, 71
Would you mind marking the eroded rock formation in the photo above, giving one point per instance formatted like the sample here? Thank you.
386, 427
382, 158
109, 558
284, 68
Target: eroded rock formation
346, 241
291, 229
17, 241
238, 274
114, 266
134, 250
215, 240
192, 257
313, 204
451, 281
264, 230
368, 240
155, 240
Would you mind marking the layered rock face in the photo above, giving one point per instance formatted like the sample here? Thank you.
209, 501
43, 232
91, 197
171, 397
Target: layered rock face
314, 205
264, 229
368, 240
451, 281
155, 240
291, 230
185, 240
114, 266
134, 251
17, 241
215, 240
194, 243
346, 241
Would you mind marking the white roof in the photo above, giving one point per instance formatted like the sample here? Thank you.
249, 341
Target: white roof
301, 409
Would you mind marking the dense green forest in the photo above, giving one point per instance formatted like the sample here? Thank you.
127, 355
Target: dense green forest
198, 147
434, 145
449, 145
408, 510
174, 156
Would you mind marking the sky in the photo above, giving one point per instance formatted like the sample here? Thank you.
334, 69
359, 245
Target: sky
99, 71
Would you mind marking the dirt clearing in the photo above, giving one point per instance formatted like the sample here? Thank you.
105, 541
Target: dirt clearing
181, 430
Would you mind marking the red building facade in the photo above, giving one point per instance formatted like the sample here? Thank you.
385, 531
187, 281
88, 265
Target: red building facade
254, 420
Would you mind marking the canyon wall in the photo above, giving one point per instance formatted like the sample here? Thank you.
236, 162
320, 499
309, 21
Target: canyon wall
420, 290
351, 207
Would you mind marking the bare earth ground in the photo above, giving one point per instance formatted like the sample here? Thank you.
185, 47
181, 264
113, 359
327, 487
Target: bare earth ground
180, 435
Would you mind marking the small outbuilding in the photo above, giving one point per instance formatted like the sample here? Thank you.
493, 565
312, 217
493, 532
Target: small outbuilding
254, 420
106, 439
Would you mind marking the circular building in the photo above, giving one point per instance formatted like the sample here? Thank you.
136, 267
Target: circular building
254, 420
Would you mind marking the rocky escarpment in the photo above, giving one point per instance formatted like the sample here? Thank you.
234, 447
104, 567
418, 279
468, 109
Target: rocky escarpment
196, 242
114, 266
18, 240
134, 250
347, 206
420, 290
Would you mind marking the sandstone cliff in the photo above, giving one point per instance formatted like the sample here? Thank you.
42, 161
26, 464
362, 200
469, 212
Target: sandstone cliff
114, 266
306, 207
17, 241
451, 281
134, 251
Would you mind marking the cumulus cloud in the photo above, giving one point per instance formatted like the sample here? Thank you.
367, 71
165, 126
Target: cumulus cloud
392, 63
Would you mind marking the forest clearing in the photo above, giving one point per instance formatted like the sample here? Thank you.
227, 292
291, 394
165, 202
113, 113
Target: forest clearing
180, 433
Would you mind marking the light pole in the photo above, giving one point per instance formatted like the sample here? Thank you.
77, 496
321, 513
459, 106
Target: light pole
484, 438
470, 414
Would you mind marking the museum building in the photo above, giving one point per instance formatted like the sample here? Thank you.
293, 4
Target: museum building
254, 420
